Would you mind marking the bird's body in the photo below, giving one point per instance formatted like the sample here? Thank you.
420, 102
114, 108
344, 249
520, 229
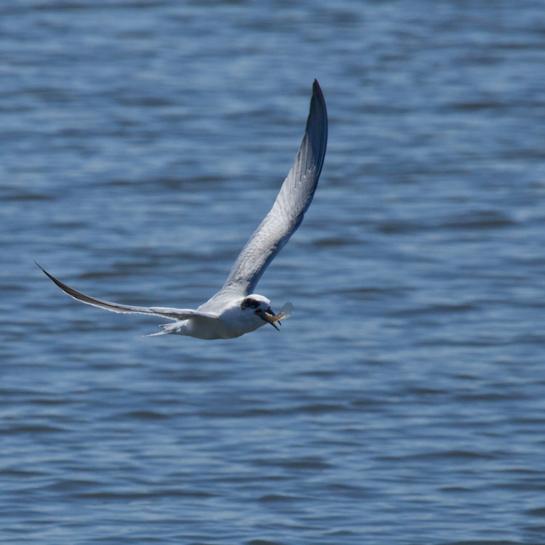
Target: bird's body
235, 309
231, 321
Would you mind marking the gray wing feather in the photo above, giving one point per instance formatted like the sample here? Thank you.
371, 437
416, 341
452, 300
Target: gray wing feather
171, 313
290, 205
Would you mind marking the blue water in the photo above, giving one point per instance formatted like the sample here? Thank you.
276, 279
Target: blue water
404, 401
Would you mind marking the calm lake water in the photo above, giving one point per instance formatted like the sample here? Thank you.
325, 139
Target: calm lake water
404, 401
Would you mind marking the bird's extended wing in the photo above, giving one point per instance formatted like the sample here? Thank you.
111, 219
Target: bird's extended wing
171, 313
289, 207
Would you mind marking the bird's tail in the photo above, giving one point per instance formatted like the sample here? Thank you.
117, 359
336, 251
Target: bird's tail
166, 329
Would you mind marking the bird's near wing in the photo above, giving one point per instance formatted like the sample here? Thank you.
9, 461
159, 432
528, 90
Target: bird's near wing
289, 207
172, 313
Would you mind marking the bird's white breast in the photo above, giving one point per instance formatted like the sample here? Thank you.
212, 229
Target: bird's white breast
231, 323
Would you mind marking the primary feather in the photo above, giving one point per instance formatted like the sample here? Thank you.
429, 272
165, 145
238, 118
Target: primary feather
288, 209
171, 313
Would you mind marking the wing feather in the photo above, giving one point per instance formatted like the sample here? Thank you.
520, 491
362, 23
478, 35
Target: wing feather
288, 209
171, 313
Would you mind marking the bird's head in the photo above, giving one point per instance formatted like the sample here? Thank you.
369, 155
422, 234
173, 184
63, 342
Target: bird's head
260, 306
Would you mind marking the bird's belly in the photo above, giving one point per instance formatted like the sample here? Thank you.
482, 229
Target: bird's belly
214, 329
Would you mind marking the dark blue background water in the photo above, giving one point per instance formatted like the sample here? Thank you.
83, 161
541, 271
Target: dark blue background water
404, 403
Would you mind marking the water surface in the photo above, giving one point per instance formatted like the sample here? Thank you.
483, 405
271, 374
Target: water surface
403, 403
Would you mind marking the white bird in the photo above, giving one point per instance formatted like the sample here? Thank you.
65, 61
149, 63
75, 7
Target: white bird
235, 309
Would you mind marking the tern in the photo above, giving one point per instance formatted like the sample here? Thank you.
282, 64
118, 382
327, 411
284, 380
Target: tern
235, 309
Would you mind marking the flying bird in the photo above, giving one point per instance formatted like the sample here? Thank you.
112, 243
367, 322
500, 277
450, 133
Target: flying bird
236, 309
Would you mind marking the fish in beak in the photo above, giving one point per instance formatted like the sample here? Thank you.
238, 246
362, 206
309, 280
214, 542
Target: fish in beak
270, 317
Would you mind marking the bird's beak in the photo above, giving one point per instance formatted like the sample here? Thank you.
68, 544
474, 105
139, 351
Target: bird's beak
270, 317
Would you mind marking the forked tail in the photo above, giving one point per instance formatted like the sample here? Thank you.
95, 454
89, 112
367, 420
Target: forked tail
166, 329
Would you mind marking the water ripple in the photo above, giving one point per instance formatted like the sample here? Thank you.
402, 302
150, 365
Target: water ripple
402, 403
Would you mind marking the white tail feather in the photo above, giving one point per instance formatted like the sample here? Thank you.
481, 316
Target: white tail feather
165, 330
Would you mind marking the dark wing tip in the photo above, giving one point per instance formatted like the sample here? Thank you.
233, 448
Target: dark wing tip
316, 89
50, 276
317, 104
317, 124
318, 97
67, 289
79, 296
74, 293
